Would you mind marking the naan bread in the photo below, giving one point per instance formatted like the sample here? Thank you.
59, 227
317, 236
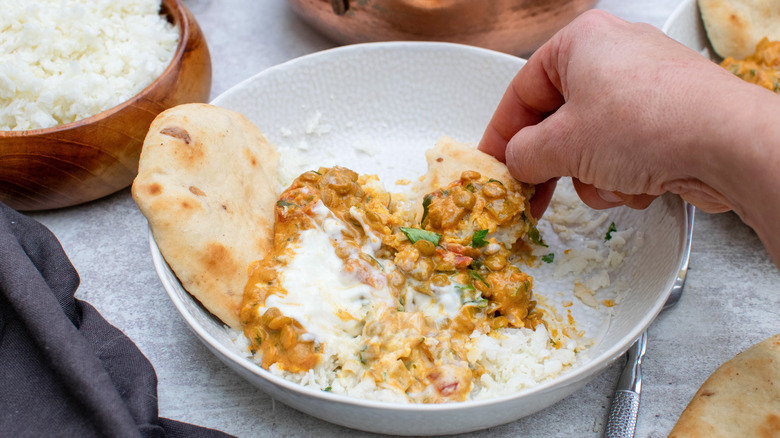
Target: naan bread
734, 27
207, 185
449, 158
741, 399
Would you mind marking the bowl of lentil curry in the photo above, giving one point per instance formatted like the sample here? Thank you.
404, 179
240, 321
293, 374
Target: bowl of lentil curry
372, 119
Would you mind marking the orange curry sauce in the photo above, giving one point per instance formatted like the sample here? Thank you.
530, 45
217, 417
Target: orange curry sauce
761, 68
455, 244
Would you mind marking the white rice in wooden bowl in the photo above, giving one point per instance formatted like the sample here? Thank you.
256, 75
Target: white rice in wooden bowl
66, 60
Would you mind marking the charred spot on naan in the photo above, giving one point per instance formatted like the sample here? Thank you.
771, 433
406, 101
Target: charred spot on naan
176, 132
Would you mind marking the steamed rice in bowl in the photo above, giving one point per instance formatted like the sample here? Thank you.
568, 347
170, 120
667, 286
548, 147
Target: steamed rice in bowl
66, 60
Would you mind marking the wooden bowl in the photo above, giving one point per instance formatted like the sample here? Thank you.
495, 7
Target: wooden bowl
90, 158
517, 27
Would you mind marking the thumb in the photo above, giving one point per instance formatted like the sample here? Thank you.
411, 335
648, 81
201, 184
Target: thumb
544, 151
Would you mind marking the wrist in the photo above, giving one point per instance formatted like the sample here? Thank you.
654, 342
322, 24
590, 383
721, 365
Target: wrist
744, 165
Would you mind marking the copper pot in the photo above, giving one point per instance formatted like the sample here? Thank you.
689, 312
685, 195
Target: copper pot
517, 27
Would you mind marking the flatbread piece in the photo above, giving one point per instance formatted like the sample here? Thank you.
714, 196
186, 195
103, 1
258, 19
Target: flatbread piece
734, 27
207, 185
740, 399
448, 159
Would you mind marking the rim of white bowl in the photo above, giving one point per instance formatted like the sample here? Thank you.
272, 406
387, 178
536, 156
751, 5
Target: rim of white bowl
676, 13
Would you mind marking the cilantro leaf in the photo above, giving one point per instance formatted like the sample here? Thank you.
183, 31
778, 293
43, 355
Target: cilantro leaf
475, 275
548, 258
535, 236
533, 233
479, 302
610, 230
425, 204
415, 234
478, 239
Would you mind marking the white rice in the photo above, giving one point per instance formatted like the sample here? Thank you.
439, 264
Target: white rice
65, 60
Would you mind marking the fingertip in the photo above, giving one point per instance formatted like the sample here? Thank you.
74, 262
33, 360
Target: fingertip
542, 196
529, 161
610, 196
596, 198
640, 202
601, 199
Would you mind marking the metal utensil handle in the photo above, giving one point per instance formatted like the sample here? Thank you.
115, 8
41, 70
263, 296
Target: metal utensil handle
624, 409
623, 412
622, 415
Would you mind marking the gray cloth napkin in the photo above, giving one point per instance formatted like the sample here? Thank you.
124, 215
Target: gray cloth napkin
64, 370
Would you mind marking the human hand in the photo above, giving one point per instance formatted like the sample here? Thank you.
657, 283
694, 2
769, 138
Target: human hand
624, 110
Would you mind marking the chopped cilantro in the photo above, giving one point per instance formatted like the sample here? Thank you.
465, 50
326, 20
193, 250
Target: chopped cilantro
523, 287
426, 203
533, 232
381, 266
535, 236
328, 389
284, 203
415, 234
476, 264
478, 302
478, 239
610, 230
476, 276
548, 258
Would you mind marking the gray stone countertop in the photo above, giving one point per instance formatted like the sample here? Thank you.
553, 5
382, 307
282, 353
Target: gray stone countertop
731, 301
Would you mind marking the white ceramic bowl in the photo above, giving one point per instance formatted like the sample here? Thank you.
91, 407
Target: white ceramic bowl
685, 25
386, 103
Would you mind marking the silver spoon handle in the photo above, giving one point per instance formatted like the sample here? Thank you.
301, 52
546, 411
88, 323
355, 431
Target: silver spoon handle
624, 409
622, 415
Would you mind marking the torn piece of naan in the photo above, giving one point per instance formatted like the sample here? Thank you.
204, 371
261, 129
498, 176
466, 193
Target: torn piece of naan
734, 27
447, 161
207, 185
741, 399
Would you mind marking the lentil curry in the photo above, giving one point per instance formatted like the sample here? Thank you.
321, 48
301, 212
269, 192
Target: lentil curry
414, 338
761, 68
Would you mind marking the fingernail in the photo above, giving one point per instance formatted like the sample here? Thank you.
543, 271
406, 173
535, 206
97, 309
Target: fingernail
609, 196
